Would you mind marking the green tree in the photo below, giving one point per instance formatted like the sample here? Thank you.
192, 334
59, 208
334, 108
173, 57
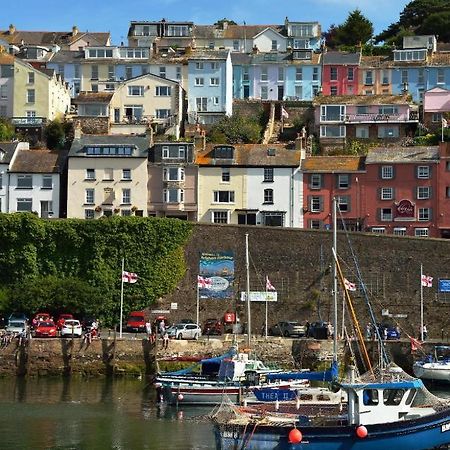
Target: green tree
221, 22
55, 135
438, 24
6, 130
356, 30
236, 129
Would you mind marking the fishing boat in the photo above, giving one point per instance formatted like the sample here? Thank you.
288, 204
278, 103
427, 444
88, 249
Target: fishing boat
434, 367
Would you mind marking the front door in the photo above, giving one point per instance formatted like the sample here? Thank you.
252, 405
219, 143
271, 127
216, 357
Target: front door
246, 91
280, 92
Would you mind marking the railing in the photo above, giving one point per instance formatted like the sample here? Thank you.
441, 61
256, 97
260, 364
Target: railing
381, 117
28, 120
144, 120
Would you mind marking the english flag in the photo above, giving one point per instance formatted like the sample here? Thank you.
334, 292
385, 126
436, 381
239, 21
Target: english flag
427, 281
203, 282
129, 277
269, 285
284, 113
444, 123
349, 285
415, 344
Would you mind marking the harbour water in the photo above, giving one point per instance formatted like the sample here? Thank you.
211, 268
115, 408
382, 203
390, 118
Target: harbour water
45, 413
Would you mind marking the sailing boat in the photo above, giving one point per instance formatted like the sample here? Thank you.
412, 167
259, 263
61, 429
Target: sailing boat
386, 409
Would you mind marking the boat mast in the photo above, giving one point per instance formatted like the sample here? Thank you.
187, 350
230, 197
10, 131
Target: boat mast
335, 280
247, 268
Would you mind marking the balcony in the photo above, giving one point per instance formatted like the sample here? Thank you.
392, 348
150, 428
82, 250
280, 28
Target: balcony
382, 118
28, 121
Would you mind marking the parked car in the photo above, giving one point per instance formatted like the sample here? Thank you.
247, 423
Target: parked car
40, 317
61, 319
184, 331
288, 329
318, 330
392, 332
17, 316
45, 329
136, 322
186, 321
71, 327
212, 326
86, 322
17, 326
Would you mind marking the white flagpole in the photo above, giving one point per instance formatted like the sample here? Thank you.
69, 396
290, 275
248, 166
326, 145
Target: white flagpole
421, 303
266, 306
343, 313
121, 299
442, 139
198, 303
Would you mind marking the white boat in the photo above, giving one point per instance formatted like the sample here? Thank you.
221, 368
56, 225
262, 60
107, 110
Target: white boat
435, 367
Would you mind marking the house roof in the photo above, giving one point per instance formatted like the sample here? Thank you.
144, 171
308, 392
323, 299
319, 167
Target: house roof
139, 143
8, 148
6, 58
270, 28
93, 97
39, 161
251, 155
67, 56
362, 100
374, 61
208, 54
341, 164
402, 155
341, 58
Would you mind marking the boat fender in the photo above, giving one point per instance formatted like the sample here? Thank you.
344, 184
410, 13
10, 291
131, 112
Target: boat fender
295, 436
361, 432
180, 397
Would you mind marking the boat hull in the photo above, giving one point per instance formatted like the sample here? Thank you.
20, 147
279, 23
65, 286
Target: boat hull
419, 434
433, 371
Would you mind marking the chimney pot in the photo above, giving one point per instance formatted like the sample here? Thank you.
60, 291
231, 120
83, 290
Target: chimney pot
12, 29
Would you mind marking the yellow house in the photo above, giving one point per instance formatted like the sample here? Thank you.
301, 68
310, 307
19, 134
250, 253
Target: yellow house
107, 175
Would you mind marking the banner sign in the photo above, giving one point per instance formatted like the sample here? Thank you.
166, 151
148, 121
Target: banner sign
444, 285
270, 296
217, 272
405, 210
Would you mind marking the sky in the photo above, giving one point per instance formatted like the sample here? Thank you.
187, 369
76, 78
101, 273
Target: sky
115, 15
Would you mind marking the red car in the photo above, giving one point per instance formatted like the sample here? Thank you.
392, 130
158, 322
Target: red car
40, 317
61, 319
45, 329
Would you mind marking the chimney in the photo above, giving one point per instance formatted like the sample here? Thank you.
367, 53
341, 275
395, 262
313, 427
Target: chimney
225, 25
255, 50
77, 130
74, 30
199, 139
12, 29
149, 134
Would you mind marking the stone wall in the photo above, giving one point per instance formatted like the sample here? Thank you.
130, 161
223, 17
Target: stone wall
93, 125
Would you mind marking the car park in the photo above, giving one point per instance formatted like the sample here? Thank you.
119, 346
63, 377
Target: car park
71, 327
45, 329
288, 329
184, 331
17, 326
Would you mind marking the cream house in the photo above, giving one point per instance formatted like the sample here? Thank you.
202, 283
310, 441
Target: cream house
107, 175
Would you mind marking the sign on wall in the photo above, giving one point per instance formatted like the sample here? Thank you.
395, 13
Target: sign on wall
218, 269
444, 285
405, 210
255, 296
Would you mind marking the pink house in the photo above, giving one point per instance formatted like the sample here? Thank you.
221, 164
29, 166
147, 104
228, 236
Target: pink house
436, 105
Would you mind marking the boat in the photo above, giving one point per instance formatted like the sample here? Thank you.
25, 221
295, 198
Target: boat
434, 367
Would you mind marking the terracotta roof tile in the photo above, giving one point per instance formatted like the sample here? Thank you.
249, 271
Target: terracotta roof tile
333, 164
39, 161
93, 97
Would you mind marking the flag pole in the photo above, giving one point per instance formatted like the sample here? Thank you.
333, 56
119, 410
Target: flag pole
121, 299
266, 305
198, 303
421, 303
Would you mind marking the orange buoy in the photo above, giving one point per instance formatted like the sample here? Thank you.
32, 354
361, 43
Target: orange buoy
362, 432
295, 436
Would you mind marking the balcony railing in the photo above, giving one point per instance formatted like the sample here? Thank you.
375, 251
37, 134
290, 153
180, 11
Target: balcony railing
144, 120
377, 118
28, 120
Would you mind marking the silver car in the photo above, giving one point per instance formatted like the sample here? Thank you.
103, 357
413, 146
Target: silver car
184, 331
17, 326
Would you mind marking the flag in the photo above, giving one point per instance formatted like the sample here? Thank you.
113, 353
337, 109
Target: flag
129, 277
349, 285
284, 113
269, 285
427, 281
203, 282
415, 344
444, 123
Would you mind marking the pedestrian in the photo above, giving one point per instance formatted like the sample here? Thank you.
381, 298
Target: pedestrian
424, 332
148, 329
307, 325
330, 330
385, 333
162, 327
368, 331
165, 340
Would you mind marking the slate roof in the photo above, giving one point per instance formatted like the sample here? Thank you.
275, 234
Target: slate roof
402, 155
141, 144
8, 148
341, 58
67, 56
253, 155
93, 97
362, 100
338, 164
208, 54
39, 161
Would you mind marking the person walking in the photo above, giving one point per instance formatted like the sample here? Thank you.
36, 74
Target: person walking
165, 340
148, 329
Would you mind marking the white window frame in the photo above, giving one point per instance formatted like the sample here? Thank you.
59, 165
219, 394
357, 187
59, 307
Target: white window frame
386, 216
199, 81
264, 74
179, 153
387, 172
387, 193
179, 195
344, 181
199, 66
90, 175
45, 182
163, 91
169, 171
135, 91
89, 214
214, 81
126, 174
226, 175
378, 230
421, 232
27, 201
224, 219
89, 196
316, 181
423, 192
218, 194
315, 204
126, 196
299, 74
31, 96
423, 172
324, 117
424, 214
399, 231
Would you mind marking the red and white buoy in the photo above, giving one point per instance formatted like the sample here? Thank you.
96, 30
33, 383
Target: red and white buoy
361, 432
295, 436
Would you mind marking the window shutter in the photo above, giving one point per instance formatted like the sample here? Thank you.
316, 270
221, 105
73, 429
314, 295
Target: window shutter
379, 214
308, 206
393, 172
393, 193
349, 180
416, 189
431, 214
337, 181
379, 193
320, 181
310, 180
321, 203
349, 203
430, 192
416, 170
380, 172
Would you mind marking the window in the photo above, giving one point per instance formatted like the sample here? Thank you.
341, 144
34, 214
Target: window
421, 232
77, 70
126, 212
343, 181
136, 91
362, 132
199, 66
424, 214
316, 204
220, 217
90, 174
301, 44
268, 196
236, 46
387, 172
388, 109
223, 196
386, 214
108, 174
173, 174
47, 182
173, 151
89, 213
225, 175
178, 73
404, 76
273, 219
214, 81
247, 219
440, 76
280, 73
370, 396
126, 174
315, 76
214, 65
368, 78
315, 224
111, 73
384, 77
264, 76
343, 202
378, 230
3, 91
388, 131
332, 131
264, 92
163, 113
333, 90
315, 181
24, 204
350, 74
423, 172
298, 92
109, 87
24, 182
332, 113
89, 196
100, 53
94, 87
333, 74
126, 196
162, 71
420, 76
173, 195
245, 74
31, 98
202, 104
162, 91
274, 45
268, 174
399, 231
216, 100
94, 72
30, 77
128, 72
387, 193
199, 81
423, 192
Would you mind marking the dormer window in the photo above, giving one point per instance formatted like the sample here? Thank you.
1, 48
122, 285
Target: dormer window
223, 152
